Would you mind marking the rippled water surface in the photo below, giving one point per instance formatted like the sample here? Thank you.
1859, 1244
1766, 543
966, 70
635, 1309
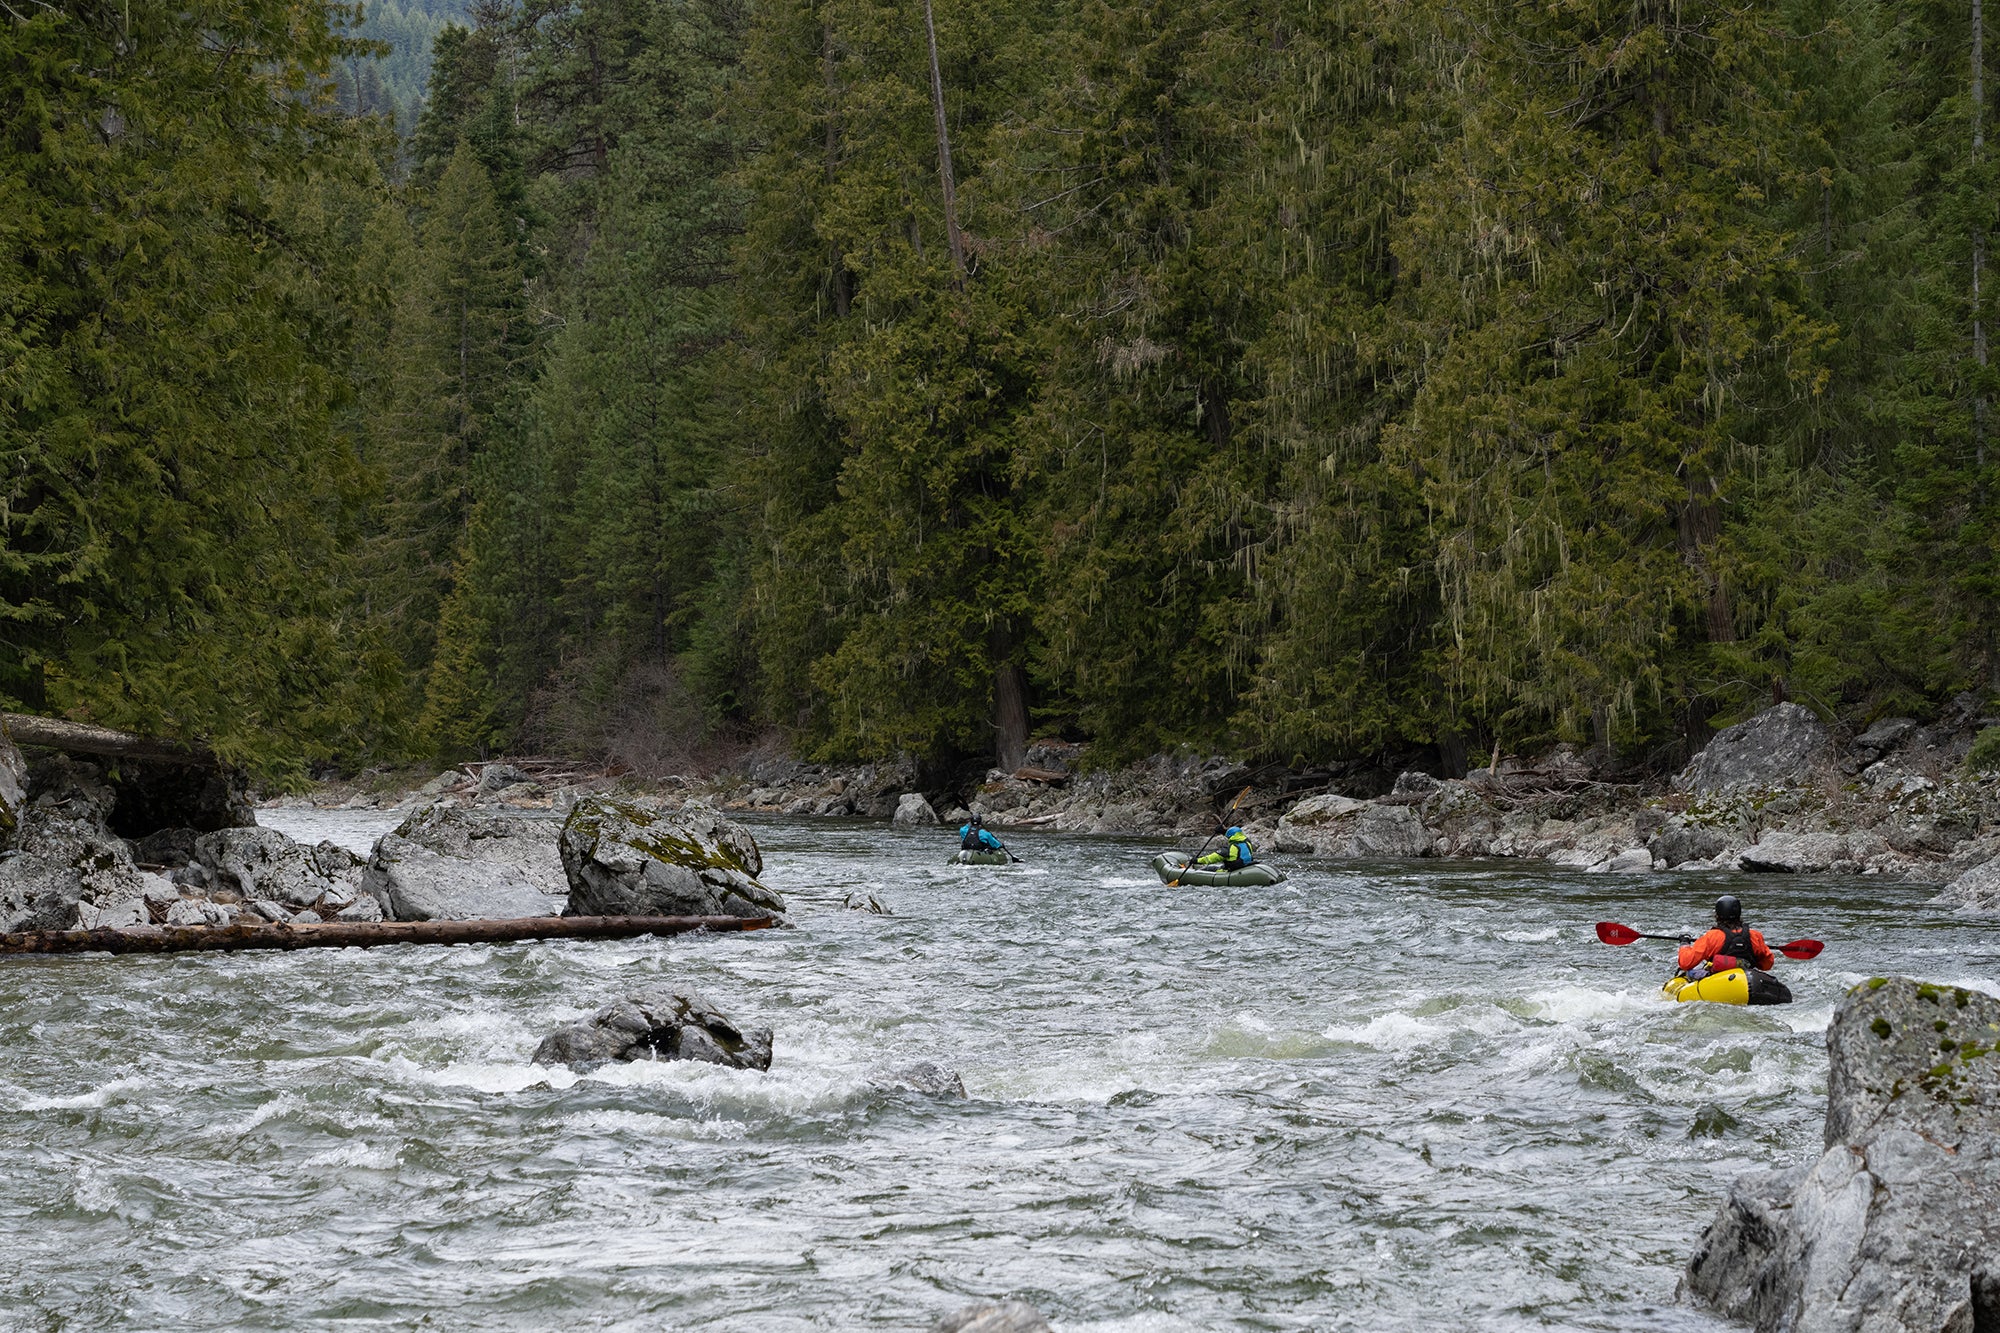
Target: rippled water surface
1377, 1097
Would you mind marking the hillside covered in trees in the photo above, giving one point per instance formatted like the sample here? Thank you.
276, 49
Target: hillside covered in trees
1300, 380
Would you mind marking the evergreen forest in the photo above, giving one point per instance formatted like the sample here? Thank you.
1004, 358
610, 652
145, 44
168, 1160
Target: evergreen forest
1300, 379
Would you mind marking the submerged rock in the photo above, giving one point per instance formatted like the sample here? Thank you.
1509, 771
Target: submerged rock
1778, 746
931, 1080
1896, 1227
628, 859
1003, 1317
656, 1025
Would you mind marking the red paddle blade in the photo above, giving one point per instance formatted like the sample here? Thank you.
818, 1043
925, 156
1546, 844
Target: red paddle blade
1613, 933
1801, 949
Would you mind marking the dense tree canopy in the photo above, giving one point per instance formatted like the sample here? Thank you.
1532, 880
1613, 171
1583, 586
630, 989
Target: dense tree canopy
1309, 381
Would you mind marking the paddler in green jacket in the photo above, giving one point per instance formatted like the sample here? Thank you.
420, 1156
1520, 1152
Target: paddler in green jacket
1236, 854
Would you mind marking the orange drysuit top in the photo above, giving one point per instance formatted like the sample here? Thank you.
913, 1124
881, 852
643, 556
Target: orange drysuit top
1713, 943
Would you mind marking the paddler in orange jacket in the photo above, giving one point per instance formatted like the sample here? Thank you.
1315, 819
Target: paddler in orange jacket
1730, 944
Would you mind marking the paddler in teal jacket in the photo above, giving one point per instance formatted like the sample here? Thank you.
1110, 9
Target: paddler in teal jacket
1235, 854
973, 837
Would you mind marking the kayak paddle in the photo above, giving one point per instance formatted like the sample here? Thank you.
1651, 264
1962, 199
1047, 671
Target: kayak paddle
1613, 933
1175, 882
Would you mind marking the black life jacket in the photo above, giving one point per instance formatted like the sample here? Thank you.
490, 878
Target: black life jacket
1735, 945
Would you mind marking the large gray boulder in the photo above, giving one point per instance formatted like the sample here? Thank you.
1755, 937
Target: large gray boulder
448, 862
1343, 827
1896, 1227
627, 858
523, 843
38, 892
656, 1025
913, 811
1977, 890
1679, 841
1779, 746
264, 863
1794, 853
414, 883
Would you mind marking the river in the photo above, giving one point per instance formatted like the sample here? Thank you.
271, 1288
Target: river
1379, 1097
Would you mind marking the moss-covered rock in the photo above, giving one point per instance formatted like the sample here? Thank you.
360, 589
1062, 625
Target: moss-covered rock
630, 858
1897, 1225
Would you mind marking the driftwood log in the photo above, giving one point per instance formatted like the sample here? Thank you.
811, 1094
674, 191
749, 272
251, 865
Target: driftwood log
365, 934
82, 738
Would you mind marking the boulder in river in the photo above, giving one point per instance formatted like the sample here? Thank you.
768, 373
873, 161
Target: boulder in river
264, 863
414, 883
1779, 746
1896, 1227
656, 1025
522, 843
447, 862
913, 811
1977, 890
626, 858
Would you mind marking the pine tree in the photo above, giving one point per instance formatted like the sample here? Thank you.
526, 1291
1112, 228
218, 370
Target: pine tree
459, 348
170, 517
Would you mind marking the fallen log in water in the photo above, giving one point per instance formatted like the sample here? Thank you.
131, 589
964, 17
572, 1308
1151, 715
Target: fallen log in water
365, 934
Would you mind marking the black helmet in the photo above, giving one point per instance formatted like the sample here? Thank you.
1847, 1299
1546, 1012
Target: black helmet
1728, 910
974, 821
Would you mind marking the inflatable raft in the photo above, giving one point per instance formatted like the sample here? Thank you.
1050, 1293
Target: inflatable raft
1172, 867
1735, 986
982, 858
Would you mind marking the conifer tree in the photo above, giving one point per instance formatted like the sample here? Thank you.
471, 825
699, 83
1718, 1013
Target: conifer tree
171, 509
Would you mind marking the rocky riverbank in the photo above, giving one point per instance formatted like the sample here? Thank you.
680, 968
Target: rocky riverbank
72, 857
1780, 793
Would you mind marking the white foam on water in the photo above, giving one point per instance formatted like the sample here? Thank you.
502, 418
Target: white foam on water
101, 1095
487, 1077
359, 1153
1542, 936
1588, 1004
282, 1104
647, 1126
1390, 1032
94, 1190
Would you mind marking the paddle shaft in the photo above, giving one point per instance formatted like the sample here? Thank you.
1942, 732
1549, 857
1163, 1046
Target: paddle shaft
1175, 882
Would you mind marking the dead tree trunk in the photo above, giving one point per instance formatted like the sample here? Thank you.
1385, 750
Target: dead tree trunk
953, 240
366, 934
82, 738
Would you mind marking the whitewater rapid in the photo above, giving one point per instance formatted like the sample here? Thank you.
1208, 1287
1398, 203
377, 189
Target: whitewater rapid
1378, 1097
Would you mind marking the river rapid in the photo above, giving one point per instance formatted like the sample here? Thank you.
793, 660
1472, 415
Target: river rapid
1378, 1097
